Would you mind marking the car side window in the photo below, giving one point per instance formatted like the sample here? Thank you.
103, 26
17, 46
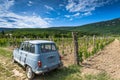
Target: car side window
53, 47
28, 47
22, 46
31, 48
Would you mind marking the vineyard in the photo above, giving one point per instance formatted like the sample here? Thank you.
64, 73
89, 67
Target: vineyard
87, 46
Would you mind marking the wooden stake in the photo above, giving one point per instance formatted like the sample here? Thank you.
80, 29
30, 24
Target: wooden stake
75, 41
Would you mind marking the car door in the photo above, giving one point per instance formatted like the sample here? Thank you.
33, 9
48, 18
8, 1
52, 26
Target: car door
16, 54
23, 53
31, 58
49, 55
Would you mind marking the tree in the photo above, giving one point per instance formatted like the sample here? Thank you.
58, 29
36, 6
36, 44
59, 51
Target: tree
3, 32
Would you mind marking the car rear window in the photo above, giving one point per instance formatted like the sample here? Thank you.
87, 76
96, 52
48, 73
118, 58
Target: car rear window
47, 48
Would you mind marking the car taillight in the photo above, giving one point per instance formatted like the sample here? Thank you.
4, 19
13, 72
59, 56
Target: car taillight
39, 63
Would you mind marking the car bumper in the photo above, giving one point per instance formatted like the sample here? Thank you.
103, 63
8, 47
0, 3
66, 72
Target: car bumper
48, 69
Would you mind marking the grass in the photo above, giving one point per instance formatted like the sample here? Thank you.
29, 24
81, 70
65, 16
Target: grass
5, 72
6, 69
100, 76
5, 53
63, 74
73, 73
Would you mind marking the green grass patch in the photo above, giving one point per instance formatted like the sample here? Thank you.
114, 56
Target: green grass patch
73, 73
5, 53
100, 76
63, 73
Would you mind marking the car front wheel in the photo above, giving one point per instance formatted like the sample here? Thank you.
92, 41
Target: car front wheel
29, 73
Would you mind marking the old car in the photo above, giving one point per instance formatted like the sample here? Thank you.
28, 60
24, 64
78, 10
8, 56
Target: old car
37, 56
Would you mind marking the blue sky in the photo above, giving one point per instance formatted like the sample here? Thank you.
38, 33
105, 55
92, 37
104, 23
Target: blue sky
56, 13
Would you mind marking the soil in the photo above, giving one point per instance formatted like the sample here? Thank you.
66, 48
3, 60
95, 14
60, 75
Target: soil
68, 59
107, 60
15, 69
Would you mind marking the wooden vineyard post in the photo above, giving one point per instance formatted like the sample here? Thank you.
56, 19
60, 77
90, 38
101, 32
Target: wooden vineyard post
75, 42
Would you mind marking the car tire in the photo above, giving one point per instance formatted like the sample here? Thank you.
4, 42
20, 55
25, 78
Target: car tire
29, 73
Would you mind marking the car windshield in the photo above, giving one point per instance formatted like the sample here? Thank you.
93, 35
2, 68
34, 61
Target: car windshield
47, 48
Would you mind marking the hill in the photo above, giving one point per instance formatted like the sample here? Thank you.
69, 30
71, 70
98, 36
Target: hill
6, 29
104, 27
110, 27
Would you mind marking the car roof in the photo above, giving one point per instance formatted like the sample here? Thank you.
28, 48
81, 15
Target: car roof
38, 41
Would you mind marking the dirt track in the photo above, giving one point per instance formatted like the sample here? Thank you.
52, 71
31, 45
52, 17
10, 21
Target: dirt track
107, 60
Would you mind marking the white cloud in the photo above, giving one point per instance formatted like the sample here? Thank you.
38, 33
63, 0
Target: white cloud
67, 16
48, 7
5, 5
87, 14
30, 3
48, 19
70, 5
19, 21
71, 16
9, 19
77, 14
85, 6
